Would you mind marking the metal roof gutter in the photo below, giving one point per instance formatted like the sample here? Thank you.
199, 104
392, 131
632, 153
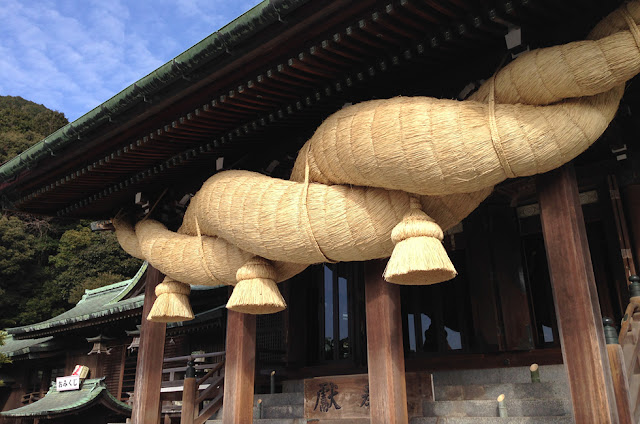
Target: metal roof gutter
221, 41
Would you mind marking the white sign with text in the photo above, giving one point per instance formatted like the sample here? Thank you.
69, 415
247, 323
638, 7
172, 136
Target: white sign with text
68, 383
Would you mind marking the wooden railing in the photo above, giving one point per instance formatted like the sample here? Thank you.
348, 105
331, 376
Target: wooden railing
624, 357
29, 398
201, 395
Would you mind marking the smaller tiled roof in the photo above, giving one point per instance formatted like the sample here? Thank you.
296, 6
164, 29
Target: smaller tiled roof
208, 316
93, 392
13, 347
97, 304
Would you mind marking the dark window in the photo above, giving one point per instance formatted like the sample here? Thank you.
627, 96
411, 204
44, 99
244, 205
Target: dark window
436, 317
540, 294
337, 284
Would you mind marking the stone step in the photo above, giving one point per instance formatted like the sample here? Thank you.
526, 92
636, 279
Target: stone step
281, 411
493, 420
510, 390
278, 399
268, 421
551, 373
489, 408
427, 420
277, 405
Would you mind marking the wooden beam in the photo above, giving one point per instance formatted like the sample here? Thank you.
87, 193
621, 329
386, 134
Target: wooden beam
240, 364
387, 385
576, 298
146, 398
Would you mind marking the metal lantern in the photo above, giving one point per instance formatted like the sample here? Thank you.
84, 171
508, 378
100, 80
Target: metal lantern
99, 345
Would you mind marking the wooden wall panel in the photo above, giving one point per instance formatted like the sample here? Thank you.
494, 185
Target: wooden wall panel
507, 265
112, 366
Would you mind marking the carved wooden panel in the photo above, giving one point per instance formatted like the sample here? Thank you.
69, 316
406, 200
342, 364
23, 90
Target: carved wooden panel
347, 396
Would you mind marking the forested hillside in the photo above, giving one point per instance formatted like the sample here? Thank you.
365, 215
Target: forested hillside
45, 264
23, 123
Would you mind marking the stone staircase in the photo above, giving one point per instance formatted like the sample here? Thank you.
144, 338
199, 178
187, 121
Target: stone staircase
469, 396
461, 397
279, 408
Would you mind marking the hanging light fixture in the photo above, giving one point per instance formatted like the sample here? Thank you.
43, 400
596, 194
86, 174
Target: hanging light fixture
99, 344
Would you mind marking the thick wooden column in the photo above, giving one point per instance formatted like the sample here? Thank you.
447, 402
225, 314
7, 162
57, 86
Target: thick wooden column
387, 386
146, 398
576, 298
239, 370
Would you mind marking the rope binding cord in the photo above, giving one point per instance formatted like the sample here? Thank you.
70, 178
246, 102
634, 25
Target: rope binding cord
307, 220
495, 134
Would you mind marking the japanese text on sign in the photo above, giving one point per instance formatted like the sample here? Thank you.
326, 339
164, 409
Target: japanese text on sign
67, 383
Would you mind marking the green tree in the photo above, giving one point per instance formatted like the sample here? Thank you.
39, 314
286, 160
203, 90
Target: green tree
46, 265
84, 259
24, 123
24, 250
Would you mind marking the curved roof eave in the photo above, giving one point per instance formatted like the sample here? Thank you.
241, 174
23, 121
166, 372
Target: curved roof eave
223, 40
96, 304
57, 404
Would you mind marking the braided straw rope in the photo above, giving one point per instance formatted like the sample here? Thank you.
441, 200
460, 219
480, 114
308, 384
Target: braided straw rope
353, 181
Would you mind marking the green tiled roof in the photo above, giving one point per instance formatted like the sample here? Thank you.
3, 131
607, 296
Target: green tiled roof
95, 304
92, 392
200, 318
13, 347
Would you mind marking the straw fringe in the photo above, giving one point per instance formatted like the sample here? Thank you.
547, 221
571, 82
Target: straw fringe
256, 291
172, 302
418, 257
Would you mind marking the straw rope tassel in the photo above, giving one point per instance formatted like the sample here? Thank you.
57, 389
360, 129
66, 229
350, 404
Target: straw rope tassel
172, 302
418, 257
256, 291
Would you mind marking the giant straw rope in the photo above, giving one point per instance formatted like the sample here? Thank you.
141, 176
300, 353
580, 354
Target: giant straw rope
384, 177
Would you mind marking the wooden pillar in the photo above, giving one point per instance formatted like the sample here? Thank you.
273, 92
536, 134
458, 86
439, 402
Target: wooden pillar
576, 298
146, 398
189, 394
387, 386
240, 365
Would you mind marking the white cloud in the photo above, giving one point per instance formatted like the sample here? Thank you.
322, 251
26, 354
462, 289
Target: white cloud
71, 55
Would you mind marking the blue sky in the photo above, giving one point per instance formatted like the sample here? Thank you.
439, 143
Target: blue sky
72, 55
